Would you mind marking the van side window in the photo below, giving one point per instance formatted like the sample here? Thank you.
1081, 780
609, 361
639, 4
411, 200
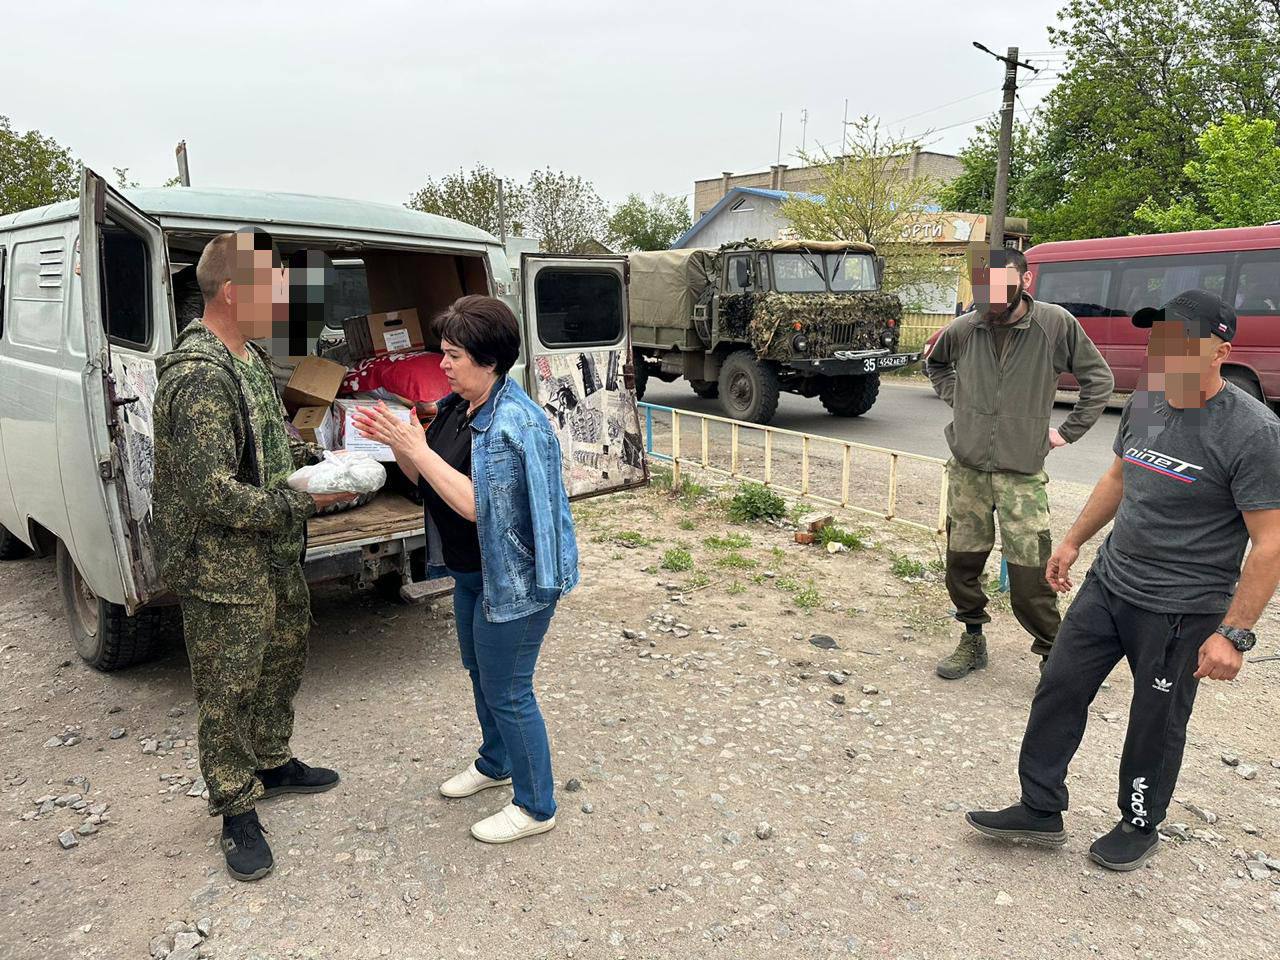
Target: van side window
34, 311
577, 306
1258, 287
126, 287
1152, 281
1081, 288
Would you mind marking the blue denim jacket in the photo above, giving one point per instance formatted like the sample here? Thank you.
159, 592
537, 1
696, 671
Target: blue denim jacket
528, 551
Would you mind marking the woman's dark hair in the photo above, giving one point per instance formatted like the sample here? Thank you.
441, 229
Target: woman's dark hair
485, 327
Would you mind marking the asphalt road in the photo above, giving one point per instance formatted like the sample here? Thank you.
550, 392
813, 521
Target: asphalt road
908, 416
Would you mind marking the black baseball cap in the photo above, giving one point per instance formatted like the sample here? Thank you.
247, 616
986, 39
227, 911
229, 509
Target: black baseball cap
1201, 312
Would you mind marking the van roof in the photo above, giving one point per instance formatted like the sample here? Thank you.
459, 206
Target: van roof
187, 206
1157, 244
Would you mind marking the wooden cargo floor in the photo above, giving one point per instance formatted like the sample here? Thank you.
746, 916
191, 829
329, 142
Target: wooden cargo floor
388, 513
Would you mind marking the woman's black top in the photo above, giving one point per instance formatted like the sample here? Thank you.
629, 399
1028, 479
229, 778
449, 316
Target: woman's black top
450, 436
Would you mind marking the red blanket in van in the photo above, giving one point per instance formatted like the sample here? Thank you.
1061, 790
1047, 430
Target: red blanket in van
414, 376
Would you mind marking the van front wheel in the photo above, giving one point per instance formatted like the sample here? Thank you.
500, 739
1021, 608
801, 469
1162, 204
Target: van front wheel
103, 633
11, 548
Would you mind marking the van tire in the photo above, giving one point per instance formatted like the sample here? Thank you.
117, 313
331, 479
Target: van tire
850, 396
1245, 381
748, 387
706, 389
11, 548
103, 633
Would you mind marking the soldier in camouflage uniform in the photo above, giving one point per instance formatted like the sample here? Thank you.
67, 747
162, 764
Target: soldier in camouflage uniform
998, 368
230, 536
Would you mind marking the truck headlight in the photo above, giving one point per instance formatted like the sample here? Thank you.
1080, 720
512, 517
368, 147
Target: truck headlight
800, 343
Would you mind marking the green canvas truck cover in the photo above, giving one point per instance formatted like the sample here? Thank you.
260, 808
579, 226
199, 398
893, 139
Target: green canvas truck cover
665, 284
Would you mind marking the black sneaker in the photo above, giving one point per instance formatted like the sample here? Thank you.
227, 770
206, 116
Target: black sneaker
245, 847
1125, 848
296, 777
1019, 823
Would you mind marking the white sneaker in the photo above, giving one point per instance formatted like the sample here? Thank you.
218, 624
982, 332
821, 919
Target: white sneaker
509, 823
469, 781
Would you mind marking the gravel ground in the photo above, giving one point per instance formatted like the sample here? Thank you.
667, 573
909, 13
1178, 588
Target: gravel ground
752, 756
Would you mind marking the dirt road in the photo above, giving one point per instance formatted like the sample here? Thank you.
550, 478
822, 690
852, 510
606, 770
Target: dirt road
727, 788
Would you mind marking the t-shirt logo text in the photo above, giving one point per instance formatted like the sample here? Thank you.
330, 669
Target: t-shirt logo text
1162, 463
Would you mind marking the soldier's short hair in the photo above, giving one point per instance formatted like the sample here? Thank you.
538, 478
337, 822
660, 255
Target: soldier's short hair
485, 327
229, 256
1011, 258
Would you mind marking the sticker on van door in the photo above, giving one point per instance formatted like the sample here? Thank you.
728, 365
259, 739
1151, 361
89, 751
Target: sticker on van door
134, 384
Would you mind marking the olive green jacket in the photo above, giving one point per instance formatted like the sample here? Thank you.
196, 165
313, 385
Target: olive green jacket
213, 522
1002, 404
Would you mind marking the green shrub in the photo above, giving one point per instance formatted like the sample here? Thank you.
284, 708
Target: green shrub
808, 598
687, 524
906, 567
677, 560
732, 541
629, 538
699, 579
735, 561
789, 584
834, 534
736, 588
754, 501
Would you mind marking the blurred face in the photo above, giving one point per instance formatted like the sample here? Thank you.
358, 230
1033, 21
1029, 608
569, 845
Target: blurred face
466, 377
258, 292
1184, 366
996, 290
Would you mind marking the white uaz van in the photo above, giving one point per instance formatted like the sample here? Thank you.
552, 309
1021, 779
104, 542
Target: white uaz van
87, 307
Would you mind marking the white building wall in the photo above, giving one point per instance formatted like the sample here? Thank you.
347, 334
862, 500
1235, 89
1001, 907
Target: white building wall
758, 219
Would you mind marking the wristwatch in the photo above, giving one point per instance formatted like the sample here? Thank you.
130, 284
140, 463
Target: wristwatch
1242, 639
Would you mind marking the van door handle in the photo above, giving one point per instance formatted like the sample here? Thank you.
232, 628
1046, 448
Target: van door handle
123, 401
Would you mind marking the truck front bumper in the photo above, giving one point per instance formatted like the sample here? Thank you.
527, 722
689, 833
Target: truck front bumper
853, 363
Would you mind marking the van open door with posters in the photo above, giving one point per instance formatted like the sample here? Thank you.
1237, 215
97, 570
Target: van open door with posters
578, 367
128, 318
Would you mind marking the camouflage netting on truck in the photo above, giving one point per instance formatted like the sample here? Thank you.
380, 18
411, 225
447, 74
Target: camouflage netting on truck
846, 321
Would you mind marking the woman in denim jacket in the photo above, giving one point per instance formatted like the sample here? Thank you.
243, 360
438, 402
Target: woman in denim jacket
498, 518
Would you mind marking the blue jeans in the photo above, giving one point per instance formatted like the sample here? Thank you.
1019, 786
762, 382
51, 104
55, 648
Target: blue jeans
500, 658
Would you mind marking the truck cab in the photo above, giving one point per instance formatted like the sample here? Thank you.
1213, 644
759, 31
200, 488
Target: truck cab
753, 319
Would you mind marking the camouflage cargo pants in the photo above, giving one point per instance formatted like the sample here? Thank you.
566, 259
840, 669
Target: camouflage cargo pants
246, 666
975, 500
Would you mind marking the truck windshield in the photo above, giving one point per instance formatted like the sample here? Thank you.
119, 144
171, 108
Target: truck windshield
851, 271
798, 273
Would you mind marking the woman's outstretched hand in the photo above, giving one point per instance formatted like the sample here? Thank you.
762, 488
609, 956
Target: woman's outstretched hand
378, 424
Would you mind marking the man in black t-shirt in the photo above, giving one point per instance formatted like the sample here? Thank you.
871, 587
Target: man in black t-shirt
1196, 477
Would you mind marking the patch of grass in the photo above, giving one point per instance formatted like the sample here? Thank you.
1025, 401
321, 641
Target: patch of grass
778, 553
798, 510
687, 524
660, 479
938, 565
699, 579
630, 538
754, 501
759, 579
833, 534
906, 567
691, 492
808, 598
732, 541
736, 588
617, 555
677, 560
789, 584
735, 561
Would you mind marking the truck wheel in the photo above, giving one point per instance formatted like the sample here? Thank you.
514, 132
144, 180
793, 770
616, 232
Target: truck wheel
103, 633
11, 548
1244, 381
748, 387
642, 375
706, 389
850, 396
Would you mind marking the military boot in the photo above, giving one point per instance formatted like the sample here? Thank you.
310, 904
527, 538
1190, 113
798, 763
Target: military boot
970, 654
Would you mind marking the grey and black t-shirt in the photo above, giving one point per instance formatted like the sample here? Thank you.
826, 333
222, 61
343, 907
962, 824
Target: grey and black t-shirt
1179, 537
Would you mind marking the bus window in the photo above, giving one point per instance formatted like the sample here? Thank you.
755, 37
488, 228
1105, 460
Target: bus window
1152, 281
1258, 289
1081, 288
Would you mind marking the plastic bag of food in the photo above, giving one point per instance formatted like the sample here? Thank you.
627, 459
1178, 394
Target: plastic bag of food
351, 473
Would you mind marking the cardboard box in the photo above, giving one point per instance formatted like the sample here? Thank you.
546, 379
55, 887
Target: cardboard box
380, 334
315, 424
314, 383
347, 437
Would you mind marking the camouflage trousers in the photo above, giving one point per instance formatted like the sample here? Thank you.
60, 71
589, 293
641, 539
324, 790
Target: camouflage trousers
246, 666
975, 500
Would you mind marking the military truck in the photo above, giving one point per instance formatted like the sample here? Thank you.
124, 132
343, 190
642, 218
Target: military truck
751, 319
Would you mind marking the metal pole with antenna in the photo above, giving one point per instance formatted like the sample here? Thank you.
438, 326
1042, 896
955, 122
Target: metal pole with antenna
844, 129
779, 160
1000, 201
804, 129
184, 174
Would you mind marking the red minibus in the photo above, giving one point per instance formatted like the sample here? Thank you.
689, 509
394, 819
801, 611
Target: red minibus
1103, 282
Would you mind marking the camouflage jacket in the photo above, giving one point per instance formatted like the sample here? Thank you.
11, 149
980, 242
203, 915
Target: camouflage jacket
214, 522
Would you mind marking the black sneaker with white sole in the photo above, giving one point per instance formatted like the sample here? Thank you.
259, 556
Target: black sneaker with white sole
246, 849
296, 777
1125, 848
1019, 823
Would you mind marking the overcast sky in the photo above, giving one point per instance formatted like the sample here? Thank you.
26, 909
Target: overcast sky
366, 99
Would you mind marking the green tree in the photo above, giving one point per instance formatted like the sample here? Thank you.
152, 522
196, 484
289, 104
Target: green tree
1141, 80
974, 190
472, 197
563, 211
654, 224
866, 196
34, 170
1235, 180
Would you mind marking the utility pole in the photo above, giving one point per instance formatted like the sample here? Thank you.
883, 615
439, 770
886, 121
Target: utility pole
779, 160
184, 175
1000, 203
502, 215
844, 129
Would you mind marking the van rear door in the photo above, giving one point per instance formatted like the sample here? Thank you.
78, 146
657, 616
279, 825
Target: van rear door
578, 348
119, 379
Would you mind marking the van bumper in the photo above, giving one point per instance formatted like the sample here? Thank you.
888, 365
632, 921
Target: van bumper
362, 561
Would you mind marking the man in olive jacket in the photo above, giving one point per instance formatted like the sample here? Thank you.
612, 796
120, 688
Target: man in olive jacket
997, 368
230, 534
